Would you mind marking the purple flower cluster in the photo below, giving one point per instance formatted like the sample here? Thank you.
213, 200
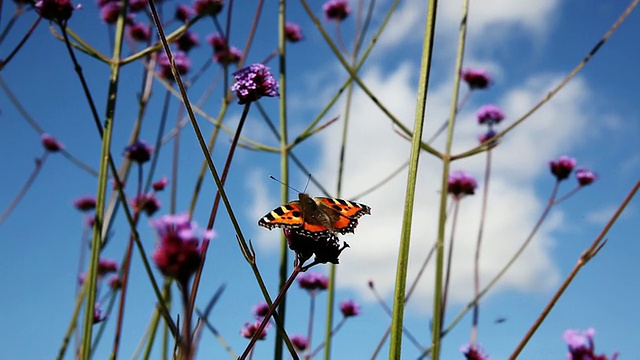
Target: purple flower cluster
183, 64
300, 342
139, 152
490, 115
581, 346
250, 329
50, 143
313, 281
562, 167
472, 352
337, 10
292, 32
461, 183
349, 308
476, 78
222, 52
253, 82
55, 10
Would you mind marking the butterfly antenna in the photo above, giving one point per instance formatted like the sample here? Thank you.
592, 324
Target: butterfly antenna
307, 184
281, 183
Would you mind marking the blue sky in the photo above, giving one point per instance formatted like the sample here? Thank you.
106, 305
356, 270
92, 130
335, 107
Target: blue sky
528, 48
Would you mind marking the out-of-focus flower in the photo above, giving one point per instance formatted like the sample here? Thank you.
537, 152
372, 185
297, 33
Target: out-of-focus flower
292, 32
489, 114
461, 183
300, 342
487, 137
260, 310
228, 56
336, 10
178, 253
183, 12
562, 167
110, 11
349, 308
50, 143
218, 42
254, 82
473, 352
250, 329
114, 282
139, 152
585, 176
146, 203
56, 10
139, 32
106, 266
476, 78
187, 41
208, 7
160, 184
85, 203
581, 346
98, 316
183, 64
313, 281
137, 5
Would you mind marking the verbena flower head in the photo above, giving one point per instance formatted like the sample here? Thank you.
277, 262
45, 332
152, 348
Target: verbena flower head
218, 42
254, 82
183, 12
260, 310
160, 184
55, 10
137, 5
178, 254
585, 176
476, 78
292, 32
228, 56
183, 64
106, 266
146, 203
139, 32
487, 137
489, 114
581, 345
110, 11
250, 329
50, 143
349, 308
336, 10
187, 41
461, 183
139, 152
313, 281
326, 248
114, 282
471, 352
85, 203
208, 7
562, 167
300, 342
98, 316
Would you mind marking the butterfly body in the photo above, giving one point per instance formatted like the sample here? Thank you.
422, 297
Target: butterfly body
316, 216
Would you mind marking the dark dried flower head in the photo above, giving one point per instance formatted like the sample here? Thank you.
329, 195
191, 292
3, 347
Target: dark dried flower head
139, 152
490, 115
585, 176
85, 203
55, 10
187, 41
139, 32
562, 167
349, 308
476, 78
300, 342
336, 10
260, 310
183, 64
208, 7
473, 352
250, 329
137, 5
109, 12
106, 266
313, 281
160, 184
50, 143
228, 56
178, 253
461, 183
183, 12
581, 346
254, 82
146, 203
326, 248
292, 32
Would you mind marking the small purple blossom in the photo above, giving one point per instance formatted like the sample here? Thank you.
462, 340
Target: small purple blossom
562, 167
254, 82
183, 64
250, 329
137, 5
336, 10
139, 152
114, 282
585, 176
476, 78
85, 203
260, 310
349, 308
581, 346
228, 56
56, 10
292, 32
489, 114
160, 184
106, 266
488, 137
187, 41
110, 11
183, 12
461, 183
139, 32
300, 342
146, 203
208, 7
313, 281
98, 316
472, 352
218, 42
50, 143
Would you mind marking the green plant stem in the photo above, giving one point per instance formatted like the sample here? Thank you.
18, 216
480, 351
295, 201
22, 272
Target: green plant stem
312, 310
447, 278
27, 185
72, 324
584, 258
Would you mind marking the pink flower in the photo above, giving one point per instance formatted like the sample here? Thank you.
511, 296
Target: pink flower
336, 10
313, 281
139, 152
160, 184
473, 352
50, 143
208, 7
85, 203
349, 308
461, 183
300, 342
476, 78
139, 32
250, 329
292, 32
146, 203
56, 10
260, 310
562, 167
253, 82
585, 176
106, 266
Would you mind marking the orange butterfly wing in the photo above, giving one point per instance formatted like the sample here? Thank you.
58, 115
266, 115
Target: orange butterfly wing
286, 216
348, 212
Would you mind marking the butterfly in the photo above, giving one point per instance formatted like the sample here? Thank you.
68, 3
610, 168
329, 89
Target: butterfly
316, 216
